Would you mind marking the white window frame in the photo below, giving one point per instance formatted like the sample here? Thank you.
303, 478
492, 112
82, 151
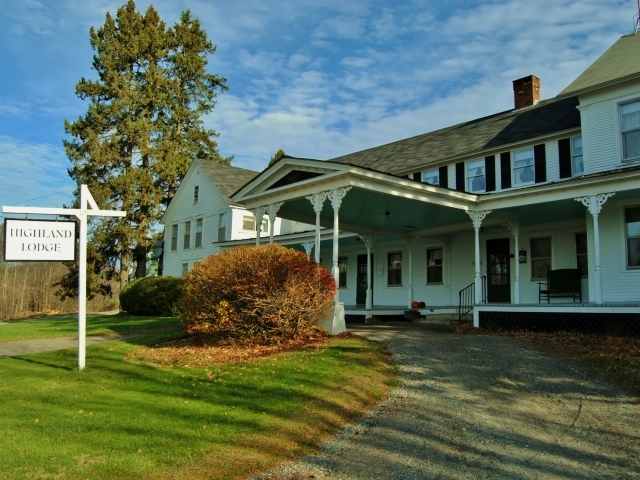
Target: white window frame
343, 271
222, 226
515, 169
186, 236
199, 232
628, 237
575, 155
623, 131
185, 268
265, 224
532, 258
390, 269
196, 194
435, 265
431, 174
470, 176
174, 237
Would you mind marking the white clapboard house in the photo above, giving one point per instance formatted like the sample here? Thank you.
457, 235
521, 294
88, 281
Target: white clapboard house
474, 216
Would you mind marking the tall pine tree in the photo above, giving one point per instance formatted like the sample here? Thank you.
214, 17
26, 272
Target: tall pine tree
143, 125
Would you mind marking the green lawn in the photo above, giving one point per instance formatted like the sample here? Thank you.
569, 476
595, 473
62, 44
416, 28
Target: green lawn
120, 419
63, 326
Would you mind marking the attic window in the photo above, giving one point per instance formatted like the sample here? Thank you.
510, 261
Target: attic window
196, 193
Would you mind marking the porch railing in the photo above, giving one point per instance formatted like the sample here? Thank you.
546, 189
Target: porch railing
467, 297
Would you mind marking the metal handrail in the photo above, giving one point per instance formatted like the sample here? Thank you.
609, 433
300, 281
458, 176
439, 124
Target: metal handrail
467, 297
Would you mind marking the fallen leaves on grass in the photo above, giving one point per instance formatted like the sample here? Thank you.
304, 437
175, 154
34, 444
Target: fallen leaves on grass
202, 350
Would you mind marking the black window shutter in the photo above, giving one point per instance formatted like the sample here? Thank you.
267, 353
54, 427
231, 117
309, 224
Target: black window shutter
540, 161
505, 169
443, 174
490, 165
460, 176
564, 157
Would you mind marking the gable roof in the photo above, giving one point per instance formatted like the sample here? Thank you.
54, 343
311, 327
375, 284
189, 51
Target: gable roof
476, 136
226, 178
616, 65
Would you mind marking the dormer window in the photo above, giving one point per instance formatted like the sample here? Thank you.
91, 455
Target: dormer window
431, 177
523, 167
630, 127
476, 180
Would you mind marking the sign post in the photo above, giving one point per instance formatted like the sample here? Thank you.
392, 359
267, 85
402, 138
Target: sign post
41, 245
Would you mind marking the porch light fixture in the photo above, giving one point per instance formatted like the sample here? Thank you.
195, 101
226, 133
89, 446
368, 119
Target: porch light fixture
386, 215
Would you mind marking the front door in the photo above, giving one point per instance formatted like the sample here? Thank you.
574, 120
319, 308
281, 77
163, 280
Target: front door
361, 280
498, 262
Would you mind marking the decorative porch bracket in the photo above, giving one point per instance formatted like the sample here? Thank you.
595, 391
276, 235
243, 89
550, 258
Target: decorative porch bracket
317, 200
477, 218
273, 210
258, 213
368, 240
410, 241
308, 246
594, 204
514, 228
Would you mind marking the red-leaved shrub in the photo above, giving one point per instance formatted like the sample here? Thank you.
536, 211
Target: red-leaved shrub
259, 295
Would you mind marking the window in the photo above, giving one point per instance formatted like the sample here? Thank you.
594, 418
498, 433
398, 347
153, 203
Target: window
222, 227
523, 167
434, 265
581, 254
577, 164
394, 270
432, 177
632, 232
185, 269
342, 272
540, 257
476, 181
174, 237
199, 228
196, 192
187, 235
630, 124
249, 223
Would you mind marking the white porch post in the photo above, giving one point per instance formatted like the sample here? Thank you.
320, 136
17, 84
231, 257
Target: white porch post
477, 218
258, 213
514, 228
317, 200
273, 209
368, 241
594, 203
336, 196
410, 242
308, 246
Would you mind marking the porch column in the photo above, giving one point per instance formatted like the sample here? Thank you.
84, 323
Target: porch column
308, 246
317, 200
594, 204
368, 241
273, 209
258, 213
336, 196
410, 242
477, 218
514, 228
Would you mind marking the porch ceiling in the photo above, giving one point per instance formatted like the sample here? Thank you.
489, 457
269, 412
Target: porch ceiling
541, 213
364, 211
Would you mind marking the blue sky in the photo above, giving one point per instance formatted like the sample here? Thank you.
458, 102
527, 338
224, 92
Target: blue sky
316, 78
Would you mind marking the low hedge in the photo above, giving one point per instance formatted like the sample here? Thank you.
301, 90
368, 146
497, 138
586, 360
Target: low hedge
154, 296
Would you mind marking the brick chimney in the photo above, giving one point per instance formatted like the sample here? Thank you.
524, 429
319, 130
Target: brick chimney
526, 91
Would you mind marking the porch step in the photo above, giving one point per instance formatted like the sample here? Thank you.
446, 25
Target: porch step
443, 319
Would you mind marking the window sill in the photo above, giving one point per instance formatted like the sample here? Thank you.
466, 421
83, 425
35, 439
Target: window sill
394, 286
434, 284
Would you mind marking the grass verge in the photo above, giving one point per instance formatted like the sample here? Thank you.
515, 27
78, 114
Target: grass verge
614, 359
127, 419
65, 326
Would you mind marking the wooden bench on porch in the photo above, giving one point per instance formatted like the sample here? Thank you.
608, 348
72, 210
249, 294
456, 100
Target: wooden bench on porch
564, 282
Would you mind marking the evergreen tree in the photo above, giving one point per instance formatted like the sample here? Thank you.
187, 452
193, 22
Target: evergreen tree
143, 125
279, 155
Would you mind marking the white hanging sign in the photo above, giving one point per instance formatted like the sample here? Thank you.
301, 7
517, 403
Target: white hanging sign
39, 241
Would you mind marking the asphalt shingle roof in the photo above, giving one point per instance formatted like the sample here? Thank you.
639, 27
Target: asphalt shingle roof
616, 64
226, 178
547, 117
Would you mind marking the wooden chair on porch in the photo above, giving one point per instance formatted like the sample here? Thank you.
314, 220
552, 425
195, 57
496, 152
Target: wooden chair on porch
564, 282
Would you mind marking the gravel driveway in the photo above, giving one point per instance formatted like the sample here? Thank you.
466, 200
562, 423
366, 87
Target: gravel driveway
475, 406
